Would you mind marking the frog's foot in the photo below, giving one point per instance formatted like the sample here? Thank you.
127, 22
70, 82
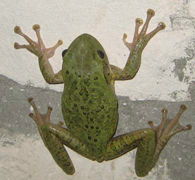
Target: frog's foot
37, 48
39, 118
142, 36
168, 128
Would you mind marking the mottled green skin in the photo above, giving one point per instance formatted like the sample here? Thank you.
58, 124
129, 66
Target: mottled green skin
89, 104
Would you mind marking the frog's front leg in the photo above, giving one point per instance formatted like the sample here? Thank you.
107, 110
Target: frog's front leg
150, 142
43, 53
140, 40
55, 137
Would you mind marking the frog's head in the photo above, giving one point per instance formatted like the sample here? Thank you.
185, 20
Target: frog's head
86, 58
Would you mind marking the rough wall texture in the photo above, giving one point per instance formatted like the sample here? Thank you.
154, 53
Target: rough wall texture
166, 79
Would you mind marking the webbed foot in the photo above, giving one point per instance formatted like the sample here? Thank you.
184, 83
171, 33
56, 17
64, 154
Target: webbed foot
141, 39
168, 128
39, 118
37, 48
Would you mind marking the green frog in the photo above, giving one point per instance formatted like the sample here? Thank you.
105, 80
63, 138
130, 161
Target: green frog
90, 106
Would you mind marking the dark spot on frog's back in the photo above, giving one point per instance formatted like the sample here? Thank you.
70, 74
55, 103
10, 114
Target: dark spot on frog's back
84, 113
67, 72
89, 137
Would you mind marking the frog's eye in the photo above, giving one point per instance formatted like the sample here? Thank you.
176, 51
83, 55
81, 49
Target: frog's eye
100, 53
64, 52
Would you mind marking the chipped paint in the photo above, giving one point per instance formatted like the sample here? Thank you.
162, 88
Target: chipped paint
180, 65
184, 66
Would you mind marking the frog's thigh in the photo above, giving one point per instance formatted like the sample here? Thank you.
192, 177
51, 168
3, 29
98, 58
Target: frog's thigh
54, 137
143, 139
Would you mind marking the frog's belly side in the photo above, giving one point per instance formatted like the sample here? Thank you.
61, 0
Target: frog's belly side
93, 120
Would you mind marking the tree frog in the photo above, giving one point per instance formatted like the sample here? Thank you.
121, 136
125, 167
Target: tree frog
90, 106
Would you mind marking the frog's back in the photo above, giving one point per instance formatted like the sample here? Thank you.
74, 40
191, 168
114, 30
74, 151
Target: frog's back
90, 111
89, 105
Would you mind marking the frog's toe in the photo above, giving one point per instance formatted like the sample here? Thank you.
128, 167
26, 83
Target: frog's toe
51, 51
150, 14
33, 117
39, 118
168, 128
16, 45
127, 44
138, 23
160, 27
139, 37
18, 30
173, 126
36, 27
22, 46
38, 48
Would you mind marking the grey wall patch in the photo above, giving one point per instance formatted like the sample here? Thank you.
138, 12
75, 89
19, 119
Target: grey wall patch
181, 63
182, 19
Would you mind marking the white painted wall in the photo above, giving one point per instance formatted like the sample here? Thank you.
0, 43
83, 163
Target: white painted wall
107, 21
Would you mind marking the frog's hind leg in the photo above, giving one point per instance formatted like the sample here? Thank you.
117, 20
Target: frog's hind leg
53, 144
150, 142
55, 137
143, 139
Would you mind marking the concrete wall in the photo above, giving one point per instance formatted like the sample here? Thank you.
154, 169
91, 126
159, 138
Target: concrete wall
165, 79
